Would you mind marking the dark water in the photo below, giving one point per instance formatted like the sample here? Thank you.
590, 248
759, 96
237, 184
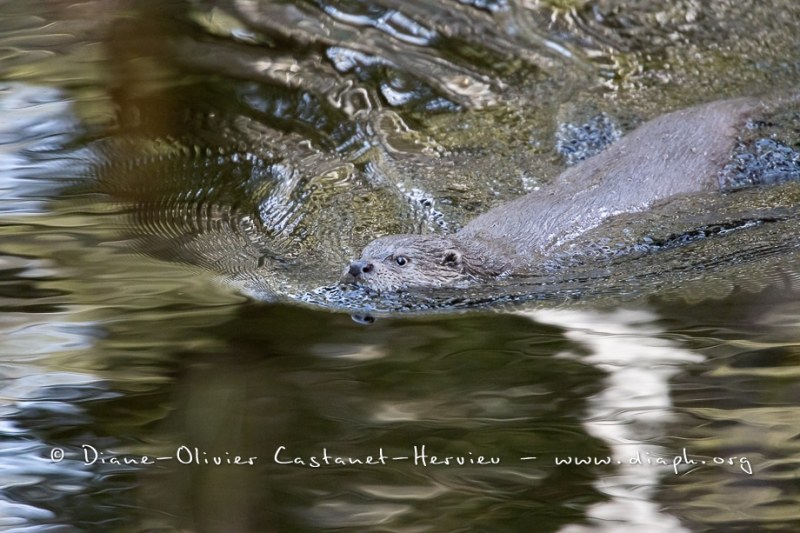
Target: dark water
179, 179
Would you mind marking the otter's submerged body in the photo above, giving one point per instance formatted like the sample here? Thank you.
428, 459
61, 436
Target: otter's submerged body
675, 154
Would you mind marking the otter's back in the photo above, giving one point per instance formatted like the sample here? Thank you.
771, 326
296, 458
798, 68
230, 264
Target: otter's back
678, 153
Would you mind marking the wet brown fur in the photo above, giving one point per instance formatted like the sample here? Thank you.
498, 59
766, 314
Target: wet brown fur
675, 154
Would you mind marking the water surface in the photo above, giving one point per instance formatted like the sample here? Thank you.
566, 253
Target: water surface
177, 179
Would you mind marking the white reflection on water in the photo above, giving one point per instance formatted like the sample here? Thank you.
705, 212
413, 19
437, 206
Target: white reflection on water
34, 389
34, 392
631, 411
34, 119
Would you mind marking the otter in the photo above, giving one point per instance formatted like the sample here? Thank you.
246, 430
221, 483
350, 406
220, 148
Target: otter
678, 153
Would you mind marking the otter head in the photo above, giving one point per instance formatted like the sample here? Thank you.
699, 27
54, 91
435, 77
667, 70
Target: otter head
400, 262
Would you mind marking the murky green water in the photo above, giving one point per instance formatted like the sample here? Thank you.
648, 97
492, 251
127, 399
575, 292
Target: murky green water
179, 179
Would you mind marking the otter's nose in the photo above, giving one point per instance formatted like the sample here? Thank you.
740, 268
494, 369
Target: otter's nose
360, 267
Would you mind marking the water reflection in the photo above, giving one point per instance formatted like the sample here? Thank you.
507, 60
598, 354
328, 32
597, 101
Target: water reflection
264, 142
487, 385
630, 414
324, 125
321, 389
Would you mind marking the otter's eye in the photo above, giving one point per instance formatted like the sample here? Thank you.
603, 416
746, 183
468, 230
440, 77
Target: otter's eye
401, 260
452, 258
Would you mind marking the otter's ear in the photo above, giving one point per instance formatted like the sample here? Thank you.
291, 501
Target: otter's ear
451, 258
